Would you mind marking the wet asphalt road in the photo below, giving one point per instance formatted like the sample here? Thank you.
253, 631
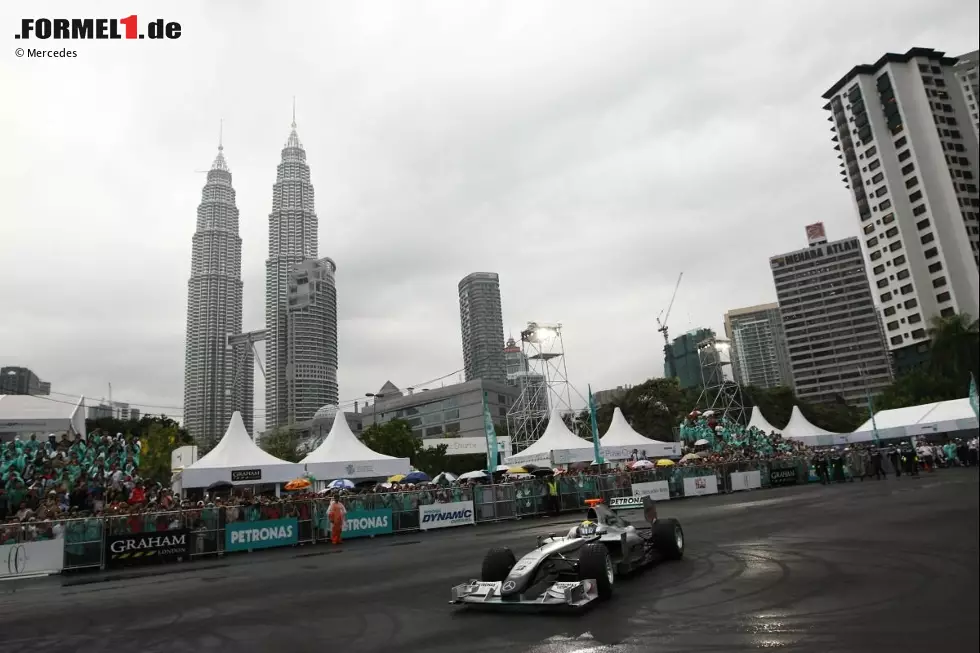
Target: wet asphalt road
874, 566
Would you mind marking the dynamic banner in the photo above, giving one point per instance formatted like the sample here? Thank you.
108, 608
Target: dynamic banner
32, 558
745, 480
697, 486
152, 548
442, 515
656, 490
783, 477
365, 523
244, 536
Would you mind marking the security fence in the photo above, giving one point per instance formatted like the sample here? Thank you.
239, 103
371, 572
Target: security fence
140, 538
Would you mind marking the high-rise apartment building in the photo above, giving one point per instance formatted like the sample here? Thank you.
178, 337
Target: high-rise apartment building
759, 356
292, 240
482, 325
311, 370
833, 333
683, 359
214, 310
967, 72
908, 150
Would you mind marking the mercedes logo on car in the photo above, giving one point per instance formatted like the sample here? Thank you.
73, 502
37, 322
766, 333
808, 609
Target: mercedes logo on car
509, 585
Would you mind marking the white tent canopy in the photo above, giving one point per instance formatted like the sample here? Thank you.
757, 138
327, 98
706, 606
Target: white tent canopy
799, 428
22, 415
342, 455
759, 421
557, 446
620, 441
238, 460
924, 419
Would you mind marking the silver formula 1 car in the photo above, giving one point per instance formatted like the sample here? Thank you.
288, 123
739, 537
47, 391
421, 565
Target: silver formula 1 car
582, 566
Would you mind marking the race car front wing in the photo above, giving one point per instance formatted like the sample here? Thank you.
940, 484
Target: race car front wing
570, 594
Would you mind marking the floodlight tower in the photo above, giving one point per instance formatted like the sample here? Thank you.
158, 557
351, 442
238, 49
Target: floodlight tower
720, 392
543, 382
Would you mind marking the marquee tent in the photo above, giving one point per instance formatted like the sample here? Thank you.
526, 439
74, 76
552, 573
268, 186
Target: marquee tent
557, 446
620, 441
921, 420
759, 421
236, 459
342, 455
26, 414
799, 428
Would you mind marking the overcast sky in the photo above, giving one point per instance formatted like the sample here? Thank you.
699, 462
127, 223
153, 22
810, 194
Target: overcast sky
587, 152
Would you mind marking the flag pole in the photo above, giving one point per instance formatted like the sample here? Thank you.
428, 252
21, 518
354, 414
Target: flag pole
595, 429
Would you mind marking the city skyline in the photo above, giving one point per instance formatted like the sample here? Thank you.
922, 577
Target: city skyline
429, 166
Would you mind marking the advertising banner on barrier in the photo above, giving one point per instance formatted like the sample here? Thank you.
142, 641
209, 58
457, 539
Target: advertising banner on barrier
243, 536
442, 515
364, 523
696, 486
152, 548
745, 480
32, 558
656, 490
782, 477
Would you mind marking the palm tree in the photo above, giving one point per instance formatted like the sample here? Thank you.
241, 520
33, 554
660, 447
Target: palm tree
955, 347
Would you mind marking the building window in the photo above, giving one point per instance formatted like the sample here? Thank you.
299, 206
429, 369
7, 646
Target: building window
451, 402
886, 297
872, 242
881, 191
896, 340
932, 252
900, 142
879, 269
882, 282
908, 168
894, 247
912, 303
915, 318
903, 155
433, 430
919, 210
891, 233
936, 267
451, 414
899, 260
922, 224
906, 289
452, 428
943, 297
912, 182
947, 312
889, 311
893, 326
928, 238
919, 333
887, 204
915, 197
939, 282
871, 151
888, 219
902, 274
868, 229
877, 178
874, 165
875, 255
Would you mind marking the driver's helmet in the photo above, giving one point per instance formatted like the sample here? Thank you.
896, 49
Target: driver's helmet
586, 528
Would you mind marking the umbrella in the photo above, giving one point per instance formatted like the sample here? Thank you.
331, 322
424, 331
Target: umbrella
518, 470
220, 485
642, 464
297, 484
544, 471
501, 469
690, 456
473, 475
700, 442
397, 478
664, 462
445, 478
416, 477
341, 484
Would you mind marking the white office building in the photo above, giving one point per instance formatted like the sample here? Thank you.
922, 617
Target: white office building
967, 72
311, 370
482, 326
759, 356
908, 150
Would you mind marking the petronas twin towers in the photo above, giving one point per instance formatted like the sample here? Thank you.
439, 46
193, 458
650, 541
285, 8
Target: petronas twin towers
301, 308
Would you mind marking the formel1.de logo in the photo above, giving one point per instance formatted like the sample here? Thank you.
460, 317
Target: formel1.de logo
79, 29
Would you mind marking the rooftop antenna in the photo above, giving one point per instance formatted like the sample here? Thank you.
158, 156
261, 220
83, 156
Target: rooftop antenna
221, 134
294, 112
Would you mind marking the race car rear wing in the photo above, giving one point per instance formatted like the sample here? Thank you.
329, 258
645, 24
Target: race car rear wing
643, 508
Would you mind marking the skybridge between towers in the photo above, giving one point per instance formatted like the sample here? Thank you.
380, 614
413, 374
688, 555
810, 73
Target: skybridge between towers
243, 355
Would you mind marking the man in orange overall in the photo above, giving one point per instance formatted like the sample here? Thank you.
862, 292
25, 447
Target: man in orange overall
337, 515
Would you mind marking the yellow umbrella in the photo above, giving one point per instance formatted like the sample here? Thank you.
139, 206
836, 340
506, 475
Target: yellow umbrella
517, 470
297, 484
664, 462
397, 478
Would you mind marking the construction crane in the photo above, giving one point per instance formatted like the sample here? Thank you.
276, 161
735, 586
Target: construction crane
662, 325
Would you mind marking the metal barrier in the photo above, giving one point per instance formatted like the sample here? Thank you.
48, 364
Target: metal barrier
85, 538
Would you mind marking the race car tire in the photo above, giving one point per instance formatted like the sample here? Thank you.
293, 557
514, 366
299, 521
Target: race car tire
595, 563
668, 538
497, 564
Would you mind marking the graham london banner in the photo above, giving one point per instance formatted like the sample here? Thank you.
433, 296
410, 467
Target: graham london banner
700, 485
364, 523
240, 475
782, 477
442, 515
146, 548
244, 536
32, 558
656, 490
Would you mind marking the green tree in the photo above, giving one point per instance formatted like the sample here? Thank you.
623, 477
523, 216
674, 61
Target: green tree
283, 443
395, 438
